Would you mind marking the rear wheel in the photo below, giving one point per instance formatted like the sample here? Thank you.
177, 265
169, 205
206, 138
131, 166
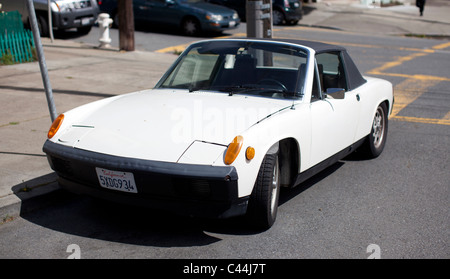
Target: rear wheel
277, 17
376, 140
263, 204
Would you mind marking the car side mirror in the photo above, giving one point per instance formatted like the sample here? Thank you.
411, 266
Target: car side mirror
335, 93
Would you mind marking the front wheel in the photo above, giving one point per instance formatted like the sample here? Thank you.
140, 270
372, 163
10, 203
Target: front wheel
43, 26
376, 140
191, 27
263, 203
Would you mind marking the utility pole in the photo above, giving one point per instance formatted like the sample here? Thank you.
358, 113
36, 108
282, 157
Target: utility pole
126, 25
50, 21
259, 18
41, 57
268, 22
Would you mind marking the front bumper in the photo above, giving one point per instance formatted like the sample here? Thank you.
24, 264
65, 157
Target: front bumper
293, 14
75, 19
220, 25
187, 189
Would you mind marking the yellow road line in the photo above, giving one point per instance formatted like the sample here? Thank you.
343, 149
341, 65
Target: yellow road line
355, 44
422, 120
412, 87
383, 47
442, 46
418, 77
173, 49
408, 91
397, 62
237, 35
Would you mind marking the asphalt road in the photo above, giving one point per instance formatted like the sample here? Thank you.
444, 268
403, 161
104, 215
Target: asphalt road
395, 206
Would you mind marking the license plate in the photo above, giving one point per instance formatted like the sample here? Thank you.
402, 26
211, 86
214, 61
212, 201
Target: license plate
116, 180
85, 21
232, 23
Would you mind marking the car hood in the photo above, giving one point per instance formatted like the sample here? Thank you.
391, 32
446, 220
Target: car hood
162, 124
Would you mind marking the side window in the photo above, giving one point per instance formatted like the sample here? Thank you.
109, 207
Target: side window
315, 94
331, 70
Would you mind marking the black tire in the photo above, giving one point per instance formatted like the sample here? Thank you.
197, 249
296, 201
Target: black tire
43, 26
277, 17
376, 140
191, 27
263, 203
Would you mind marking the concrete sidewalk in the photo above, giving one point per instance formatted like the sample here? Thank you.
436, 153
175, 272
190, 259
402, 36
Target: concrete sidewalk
81, 73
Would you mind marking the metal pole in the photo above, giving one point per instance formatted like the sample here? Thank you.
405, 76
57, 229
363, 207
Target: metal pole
41, 57
50, 20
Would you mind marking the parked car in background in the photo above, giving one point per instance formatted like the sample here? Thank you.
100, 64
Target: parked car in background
283, 11
192, 16
66, 14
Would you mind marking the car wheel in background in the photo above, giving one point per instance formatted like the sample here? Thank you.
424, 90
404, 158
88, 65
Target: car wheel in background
277, 17
190, 26
43, 26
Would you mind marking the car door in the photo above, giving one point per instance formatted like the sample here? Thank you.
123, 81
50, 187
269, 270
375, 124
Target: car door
154, 11
334, 115
141, 9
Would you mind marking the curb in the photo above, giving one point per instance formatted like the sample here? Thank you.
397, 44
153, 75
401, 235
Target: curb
12, 205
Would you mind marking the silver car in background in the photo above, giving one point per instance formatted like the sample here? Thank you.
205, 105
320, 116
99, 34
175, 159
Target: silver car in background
66, 14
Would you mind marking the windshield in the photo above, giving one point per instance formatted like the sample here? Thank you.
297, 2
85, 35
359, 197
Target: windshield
261, 68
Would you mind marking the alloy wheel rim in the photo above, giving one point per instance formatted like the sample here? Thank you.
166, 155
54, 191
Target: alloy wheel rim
190, 27
275, 187
378, 128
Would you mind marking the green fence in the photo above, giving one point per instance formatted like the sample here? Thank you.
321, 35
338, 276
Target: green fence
16, 43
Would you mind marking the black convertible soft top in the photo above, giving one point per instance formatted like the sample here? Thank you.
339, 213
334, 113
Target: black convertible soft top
317, 46
354, 76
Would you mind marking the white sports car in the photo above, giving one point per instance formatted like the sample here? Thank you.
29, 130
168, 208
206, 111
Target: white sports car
230, 122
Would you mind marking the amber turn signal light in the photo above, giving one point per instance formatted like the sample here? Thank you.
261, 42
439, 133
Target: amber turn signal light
250, 153
55, 126
233, 150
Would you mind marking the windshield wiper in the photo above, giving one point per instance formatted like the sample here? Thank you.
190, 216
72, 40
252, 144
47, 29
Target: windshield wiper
238, 88
244, 88
230, 89
197, 88
286, 93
